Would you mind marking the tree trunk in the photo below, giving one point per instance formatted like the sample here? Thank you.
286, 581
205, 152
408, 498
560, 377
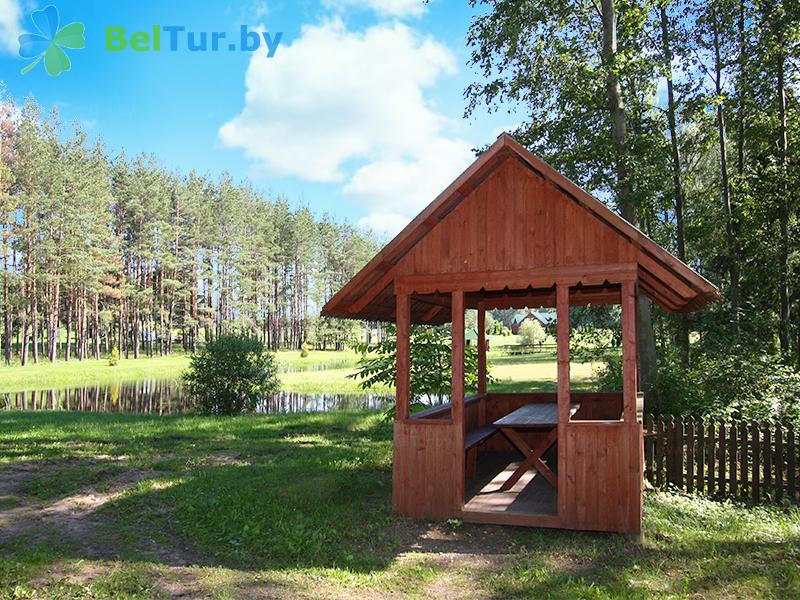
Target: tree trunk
733, 255
683, 324
783, 201
644, 322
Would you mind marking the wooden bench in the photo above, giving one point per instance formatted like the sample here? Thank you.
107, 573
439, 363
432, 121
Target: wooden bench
476, 436
471, 441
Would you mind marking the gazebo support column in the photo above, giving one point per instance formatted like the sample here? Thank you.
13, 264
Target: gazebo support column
562, 349
629, 352
457, 384
403, 319
481, 348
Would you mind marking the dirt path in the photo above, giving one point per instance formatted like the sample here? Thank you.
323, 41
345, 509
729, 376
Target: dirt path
75, 520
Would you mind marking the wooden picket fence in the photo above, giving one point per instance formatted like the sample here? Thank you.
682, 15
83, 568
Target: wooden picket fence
746, 460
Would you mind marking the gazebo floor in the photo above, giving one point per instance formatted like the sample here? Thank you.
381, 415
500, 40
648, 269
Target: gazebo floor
531, 495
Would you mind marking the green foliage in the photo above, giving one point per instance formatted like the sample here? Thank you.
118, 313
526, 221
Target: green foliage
748, 386
113, 358
305, 500
230, 375
431, 363
304, 350
532, 333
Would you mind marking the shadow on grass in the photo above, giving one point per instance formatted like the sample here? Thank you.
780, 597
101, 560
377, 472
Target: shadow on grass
314, 492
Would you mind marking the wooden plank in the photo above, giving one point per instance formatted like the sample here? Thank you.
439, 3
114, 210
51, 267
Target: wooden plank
563, 391
402, 386
670, 447
457, 383
721, 449
700, 454
537, 277
778, 461
533, 415
660, 449
733, 457
710, 454
679, 452
690, 454
481, 348
649, 448
791, 464
629, 351
372, 292
766, 445
755, 488
744, 459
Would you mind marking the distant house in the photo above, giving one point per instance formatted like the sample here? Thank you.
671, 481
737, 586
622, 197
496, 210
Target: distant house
518, 320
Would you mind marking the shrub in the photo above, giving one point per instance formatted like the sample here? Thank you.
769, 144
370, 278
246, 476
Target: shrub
719, 384
230, 375
113, 358
304, 350
532, 333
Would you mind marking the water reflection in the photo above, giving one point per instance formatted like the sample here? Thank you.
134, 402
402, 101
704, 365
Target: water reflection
165, 397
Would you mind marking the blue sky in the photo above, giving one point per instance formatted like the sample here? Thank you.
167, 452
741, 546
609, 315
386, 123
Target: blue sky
359, 113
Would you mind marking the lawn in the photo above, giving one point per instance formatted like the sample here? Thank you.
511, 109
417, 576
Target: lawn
322, 372
75, 373
298, 506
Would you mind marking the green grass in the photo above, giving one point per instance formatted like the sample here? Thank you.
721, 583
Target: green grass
322, 372
299, 506
61, 374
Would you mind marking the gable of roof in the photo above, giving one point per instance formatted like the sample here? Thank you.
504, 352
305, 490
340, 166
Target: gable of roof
370, 293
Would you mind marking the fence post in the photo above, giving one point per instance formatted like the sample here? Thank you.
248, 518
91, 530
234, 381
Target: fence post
766, 445
660, 452
743, 458
649, 442
690, 454
711, 471
790, 463
721, 459
756, 470
699, 454
732, 454
778, 461
670, 449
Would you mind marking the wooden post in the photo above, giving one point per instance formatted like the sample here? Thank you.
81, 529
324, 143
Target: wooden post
402, 320
481, 348
629, 351
563, 396
562, 348
457, 388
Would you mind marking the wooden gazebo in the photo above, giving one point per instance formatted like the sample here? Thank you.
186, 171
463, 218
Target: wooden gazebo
511, 232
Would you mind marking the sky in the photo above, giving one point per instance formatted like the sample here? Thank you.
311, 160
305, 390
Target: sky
358, 113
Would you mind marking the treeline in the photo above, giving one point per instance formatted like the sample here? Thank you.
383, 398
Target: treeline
100, 253
684, 114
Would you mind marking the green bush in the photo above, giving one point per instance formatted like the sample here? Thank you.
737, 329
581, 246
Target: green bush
717, 384
304, 350
113, 358
230, 375
532, 333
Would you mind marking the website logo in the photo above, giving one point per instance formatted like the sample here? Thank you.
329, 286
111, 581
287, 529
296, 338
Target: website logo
50, 42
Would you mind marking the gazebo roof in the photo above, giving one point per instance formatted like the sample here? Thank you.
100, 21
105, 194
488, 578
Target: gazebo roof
663, 277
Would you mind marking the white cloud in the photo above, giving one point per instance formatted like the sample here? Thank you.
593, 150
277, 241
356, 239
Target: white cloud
334, 95
387, 8
406, 185
349, 107
385, 224
10, 29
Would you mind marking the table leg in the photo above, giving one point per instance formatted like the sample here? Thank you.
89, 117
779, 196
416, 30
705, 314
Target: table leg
533, 457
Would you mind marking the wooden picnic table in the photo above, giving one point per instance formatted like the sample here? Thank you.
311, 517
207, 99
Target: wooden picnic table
535, 416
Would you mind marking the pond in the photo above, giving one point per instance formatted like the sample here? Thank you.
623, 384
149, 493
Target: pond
165, 397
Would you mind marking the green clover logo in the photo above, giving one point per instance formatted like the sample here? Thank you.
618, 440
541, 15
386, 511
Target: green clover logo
50, 40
